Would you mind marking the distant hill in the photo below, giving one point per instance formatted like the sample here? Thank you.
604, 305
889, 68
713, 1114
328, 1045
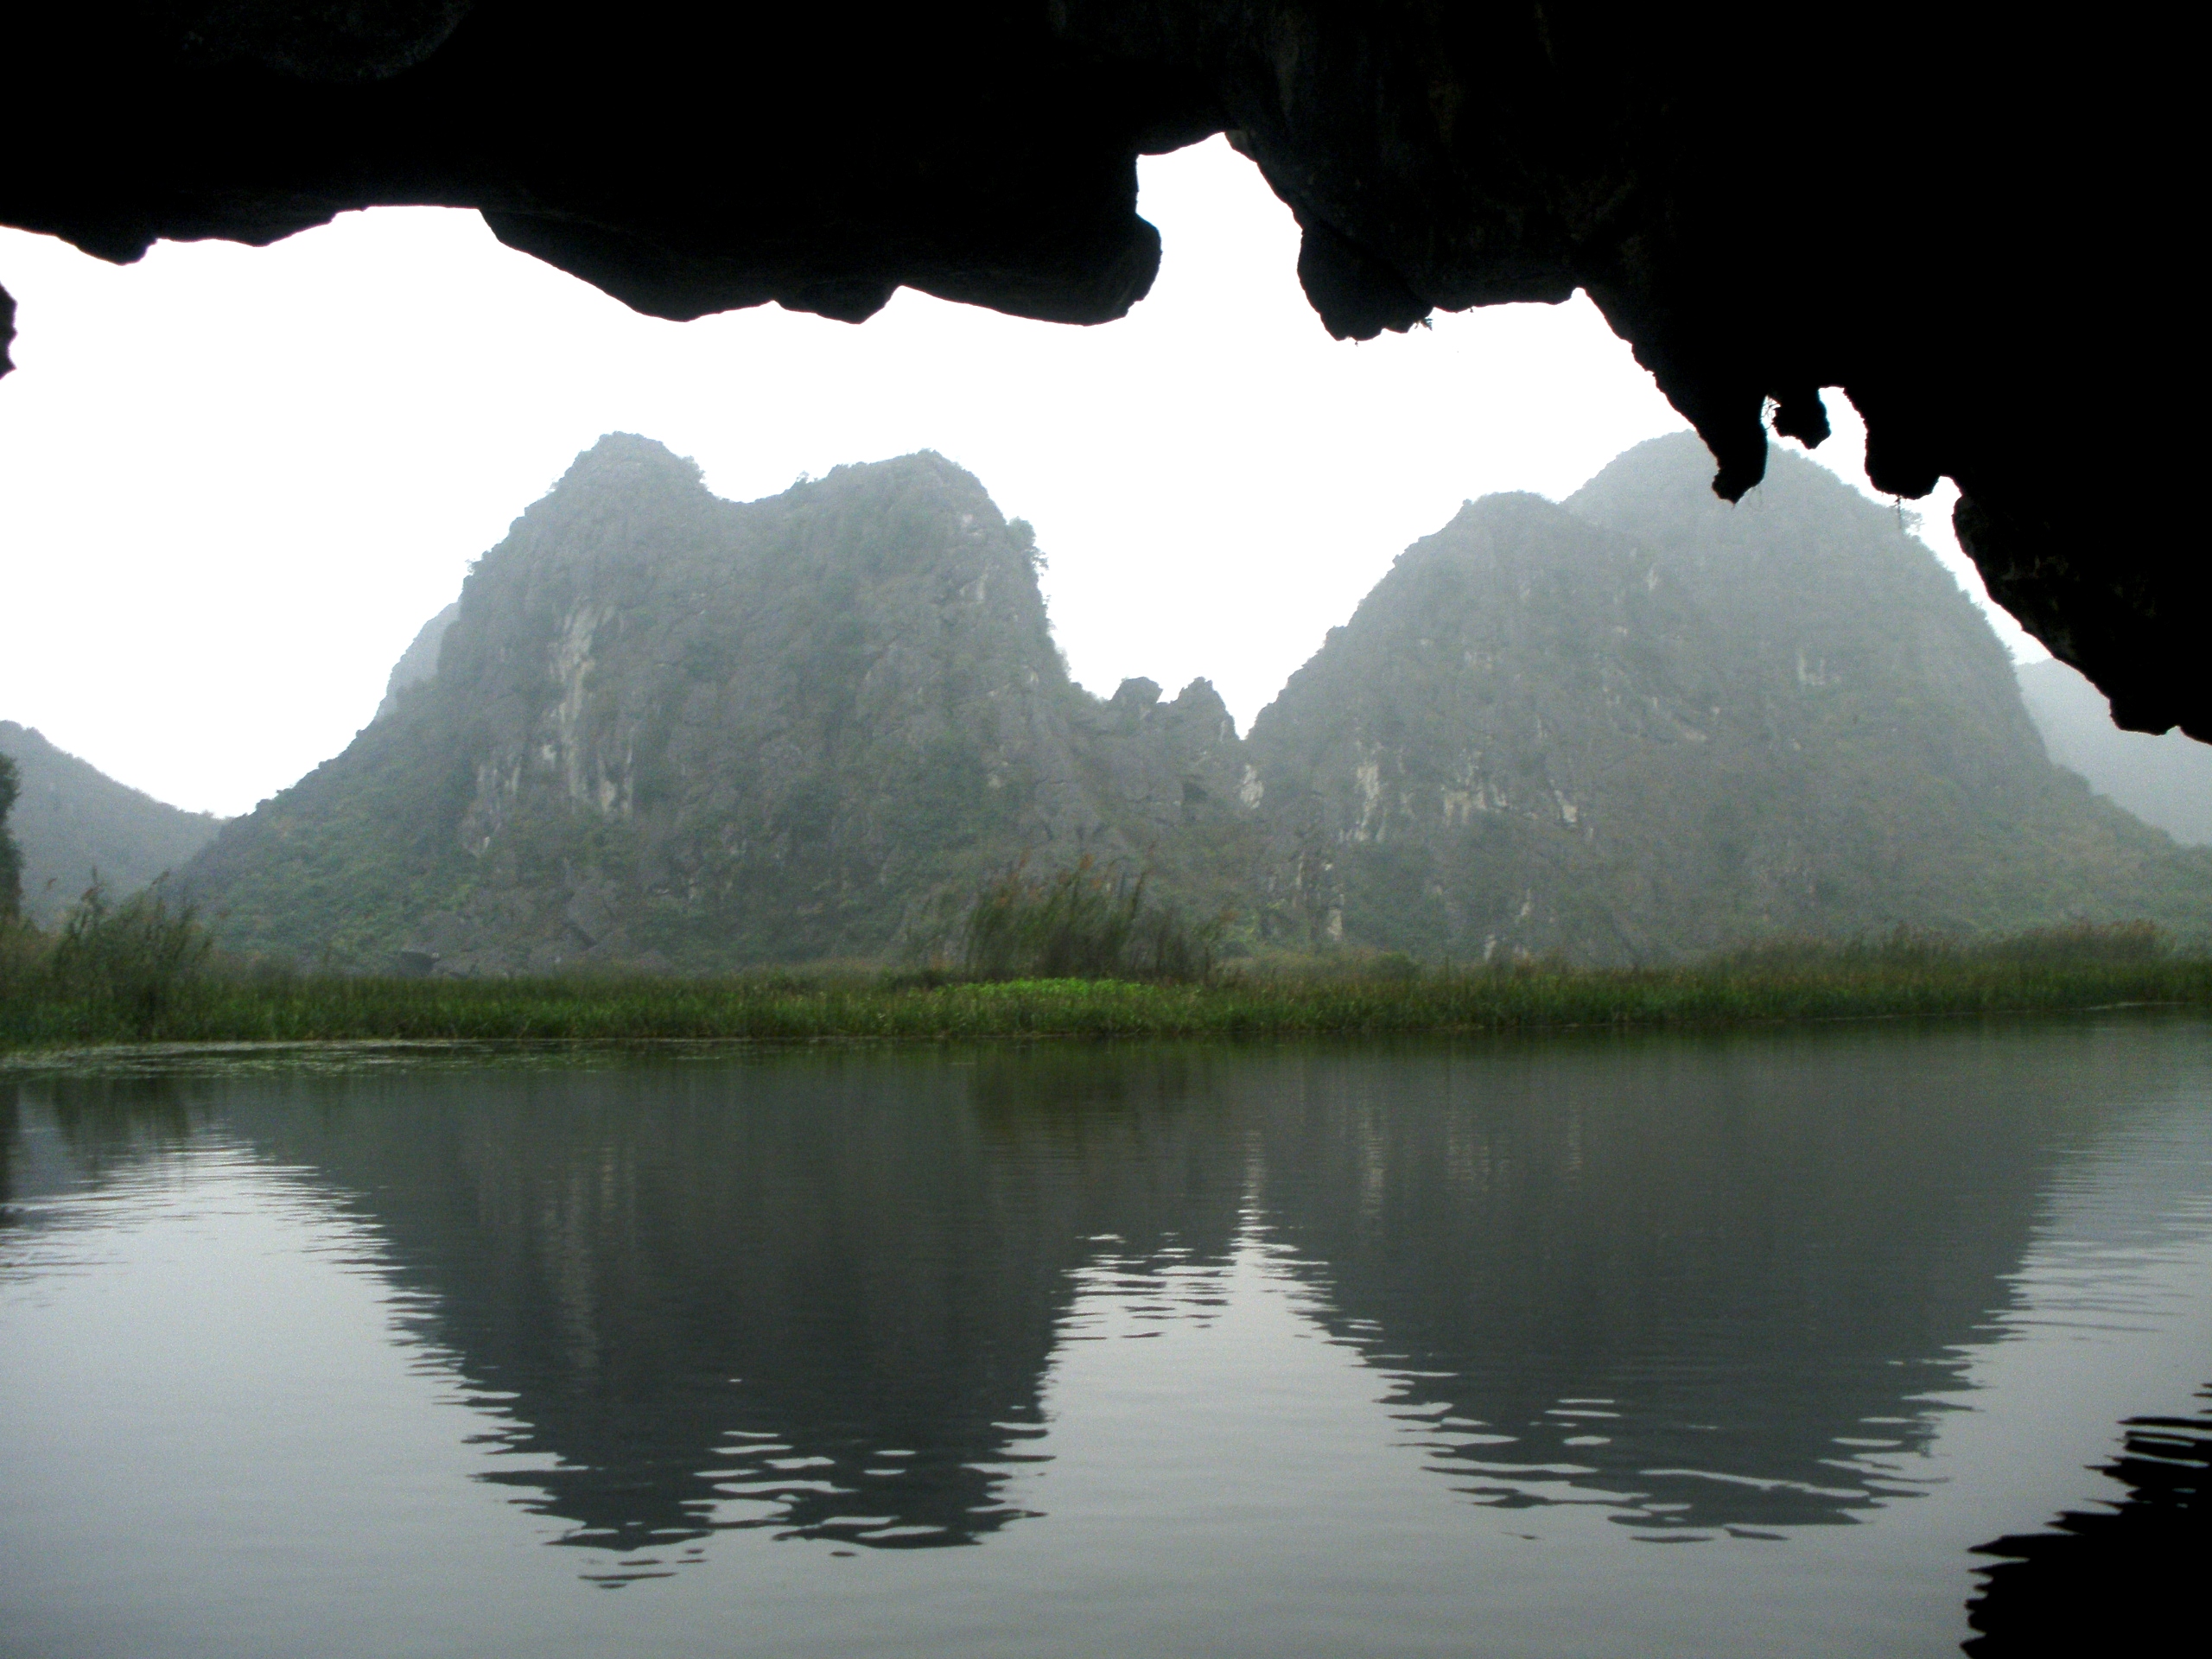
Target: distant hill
667, 730
2165, 781
72, 819
674, 730
1643, 723
419, 662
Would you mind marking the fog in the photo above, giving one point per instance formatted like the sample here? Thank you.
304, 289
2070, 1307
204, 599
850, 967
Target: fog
234, 482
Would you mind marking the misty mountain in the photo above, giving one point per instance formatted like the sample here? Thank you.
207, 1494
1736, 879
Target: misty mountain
419, 662
2165, 781
666, 730
670, 729
73, 819
1643, 722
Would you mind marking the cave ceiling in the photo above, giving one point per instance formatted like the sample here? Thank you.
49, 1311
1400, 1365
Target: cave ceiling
1967, 219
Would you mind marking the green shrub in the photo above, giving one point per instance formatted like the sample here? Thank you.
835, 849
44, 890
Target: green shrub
2079, 944
11, 858
2083, 941
23, 959
139, 971
1393, 967
1082, 924
129, 964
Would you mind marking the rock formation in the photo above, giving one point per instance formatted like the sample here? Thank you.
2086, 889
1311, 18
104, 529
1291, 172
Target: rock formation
1642, 722
667, 730
672, 730
419, 662
1968, 225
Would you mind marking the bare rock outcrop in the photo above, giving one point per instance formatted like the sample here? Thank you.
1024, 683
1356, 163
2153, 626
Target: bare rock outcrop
1642, 723
669, 730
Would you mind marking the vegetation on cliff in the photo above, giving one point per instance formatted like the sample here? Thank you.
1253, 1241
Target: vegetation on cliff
73, 824
667, 731
662, 732
1642, 723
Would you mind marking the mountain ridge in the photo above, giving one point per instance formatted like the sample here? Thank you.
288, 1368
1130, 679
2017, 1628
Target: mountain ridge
669, 731
1641, 723
73, 820
2164, 780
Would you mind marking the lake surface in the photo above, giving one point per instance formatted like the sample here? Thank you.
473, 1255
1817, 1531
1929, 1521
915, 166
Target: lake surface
1633, 1345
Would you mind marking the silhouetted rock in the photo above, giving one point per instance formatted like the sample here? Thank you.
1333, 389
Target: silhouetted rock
1757, 200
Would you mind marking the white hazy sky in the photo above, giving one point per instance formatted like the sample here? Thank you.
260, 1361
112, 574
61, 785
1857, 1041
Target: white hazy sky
234, 482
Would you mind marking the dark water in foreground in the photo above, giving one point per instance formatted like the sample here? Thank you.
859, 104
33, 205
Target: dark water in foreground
1629, 1347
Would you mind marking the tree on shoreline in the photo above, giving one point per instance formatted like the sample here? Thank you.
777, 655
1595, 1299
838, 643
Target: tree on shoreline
11, 857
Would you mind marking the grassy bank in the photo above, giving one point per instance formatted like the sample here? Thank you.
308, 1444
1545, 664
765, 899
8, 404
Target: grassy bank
1802, 983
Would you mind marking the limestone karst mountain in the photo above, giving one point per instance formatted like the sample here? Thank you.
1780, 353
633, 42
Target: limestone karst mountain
670, 729
1643, 722
419, 662
659, 729
73, 820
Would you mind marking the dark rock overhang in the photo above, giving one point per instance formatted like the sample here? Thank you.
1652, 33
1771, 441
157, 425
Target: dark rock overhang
1967, 220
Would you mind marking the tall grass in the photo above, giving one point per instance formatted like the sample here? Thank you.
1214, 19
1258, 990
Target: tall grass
136, 960
1799, 980
123, 970
2076, 944
1083, 923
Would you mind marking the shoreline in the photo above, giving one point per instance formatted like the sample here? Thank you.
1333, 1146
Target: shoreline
259, 1019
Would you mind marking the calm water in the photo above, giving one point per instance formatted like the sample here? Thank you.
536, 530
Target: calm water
1634, 1346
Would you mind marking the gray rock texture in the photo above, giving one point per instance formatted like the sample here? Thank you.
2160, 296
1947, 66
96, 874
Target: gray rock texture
667, 729
419, 662
672, 731
1643, 723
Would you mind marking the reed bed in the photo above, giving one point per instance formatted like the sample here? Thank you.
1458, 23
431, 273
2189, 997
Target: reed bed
800, 1008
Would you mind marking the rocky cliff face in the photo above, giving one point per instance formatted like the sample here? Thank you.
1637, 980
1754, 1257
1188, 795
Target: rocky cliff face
1439, 775
667, 729
1643, 723
419, 662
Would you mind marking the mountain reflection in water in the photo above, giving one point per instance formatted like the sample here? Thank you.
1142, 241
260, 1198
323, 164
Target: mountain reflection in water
1703, 1284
